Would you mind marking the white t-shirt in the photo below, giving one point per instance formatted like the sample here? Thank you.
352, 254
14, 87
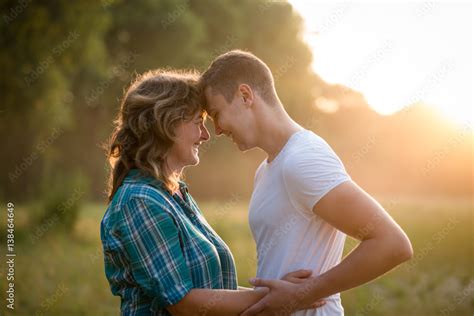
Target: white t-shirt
289, 236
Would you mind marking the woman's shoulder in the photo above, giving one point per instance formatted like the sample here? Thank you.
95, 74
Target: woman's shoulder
146, 192
138, 201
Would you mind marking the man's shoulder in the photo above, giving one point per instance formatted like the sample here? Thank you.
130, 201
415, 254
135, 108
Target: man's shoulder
311, 156
308, 141
308, 145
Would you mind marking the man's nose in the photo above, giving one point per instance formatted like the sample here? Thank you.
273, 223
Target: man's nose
218, 130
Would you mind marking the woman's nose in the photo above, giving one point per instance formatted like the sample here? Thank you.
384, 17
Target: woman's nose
204, 133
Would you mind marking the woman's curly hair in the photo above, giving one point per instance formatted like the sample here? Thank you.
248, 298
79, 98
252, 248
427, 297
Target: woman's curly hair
150, 110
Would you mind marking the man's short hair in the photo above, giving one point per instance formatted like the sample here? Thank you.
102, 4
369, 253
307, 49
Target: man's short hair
235, 67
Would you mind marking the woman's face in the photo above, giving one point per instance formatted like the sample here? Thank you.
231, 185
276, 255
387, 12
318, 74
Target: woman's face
189, 136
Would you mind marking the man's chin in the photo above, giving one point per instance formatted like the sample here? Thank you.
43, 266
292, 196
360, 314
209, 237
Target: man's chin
242, 147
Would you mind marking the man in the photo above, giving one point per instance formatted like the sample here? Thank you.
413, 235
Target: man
304, 202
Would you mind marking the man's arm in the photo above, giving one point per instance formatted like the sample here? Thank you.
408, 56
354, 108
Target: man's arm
383, 246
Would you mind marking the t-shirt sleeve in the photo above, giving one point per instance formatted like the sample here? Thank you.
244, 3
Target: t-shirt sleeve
310, 173
151, 241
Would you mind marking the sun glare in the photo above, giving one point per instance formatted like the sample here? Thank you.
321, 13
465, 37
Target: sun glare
395, 54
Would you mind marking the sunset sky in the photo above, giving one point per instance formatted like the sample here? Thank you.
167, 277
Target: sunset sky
395, 53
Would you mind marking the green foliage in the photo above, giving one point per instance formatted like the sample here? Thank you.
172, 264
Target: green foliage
46, 46
62, 198
65, 64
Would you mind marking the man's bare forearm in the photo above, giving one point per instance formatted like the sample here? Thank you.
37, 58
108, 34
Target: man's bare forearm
383, 245
369, 260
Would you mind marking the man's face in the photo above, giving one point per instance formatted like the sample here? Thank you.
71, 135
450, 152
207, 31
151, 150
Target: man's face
231, 119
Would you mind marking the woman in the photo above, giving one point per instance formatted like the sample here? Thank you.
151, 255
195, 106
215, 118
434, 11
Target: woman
161, 256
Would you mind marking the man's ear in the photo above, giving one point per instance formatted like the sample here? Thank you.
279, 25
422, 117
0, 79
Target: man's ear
246, 94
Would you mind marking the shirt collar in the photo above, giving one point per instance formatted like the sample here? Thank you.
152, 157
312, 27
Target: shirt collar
138, 176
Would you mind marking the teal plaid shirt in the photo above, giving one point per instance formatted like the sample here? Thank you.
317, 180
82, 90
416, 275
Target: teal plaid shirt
158, 247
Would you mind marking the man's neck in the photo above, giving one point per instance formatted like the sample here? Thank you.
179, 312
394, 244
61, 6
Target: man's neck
275, 132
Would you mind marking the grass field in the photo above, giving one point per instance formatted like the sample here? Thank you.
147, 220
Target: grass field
59, 275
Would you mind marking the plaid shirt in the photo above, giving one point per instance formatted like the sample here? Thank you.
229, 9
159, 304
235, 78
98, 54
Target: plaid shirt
158, 247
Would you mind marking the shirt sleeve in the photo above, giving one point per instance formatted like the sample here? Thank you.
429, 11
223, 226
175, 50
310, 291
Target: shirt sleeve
151, 241
310, 173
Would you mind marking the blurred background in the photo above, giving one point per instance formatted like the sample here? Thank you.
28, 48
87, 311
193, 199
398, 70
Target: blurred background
388, 85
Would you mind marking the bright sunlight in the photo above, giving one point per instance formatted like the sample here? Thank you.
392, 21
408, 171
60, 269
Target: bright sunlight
396, 54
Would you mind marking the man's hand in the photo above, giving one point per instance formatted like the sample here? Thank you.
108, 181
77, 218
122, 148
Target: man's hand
284, 298
298, 276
